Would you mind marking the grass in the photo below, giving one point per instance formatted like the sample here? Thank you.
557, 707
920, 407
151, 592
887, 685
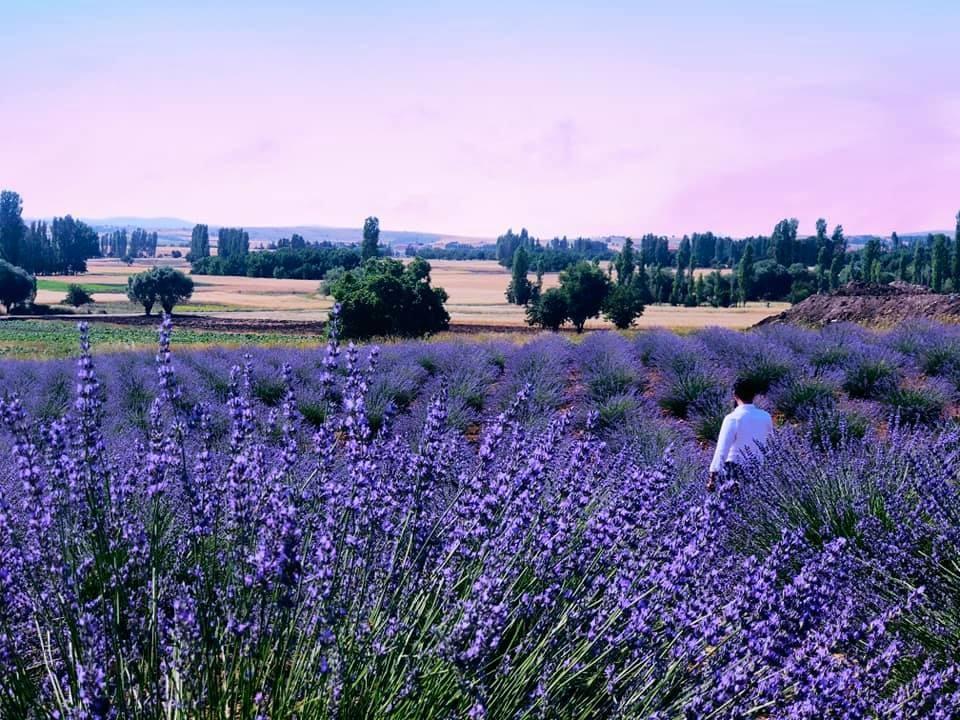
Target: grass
40, 339
55, 285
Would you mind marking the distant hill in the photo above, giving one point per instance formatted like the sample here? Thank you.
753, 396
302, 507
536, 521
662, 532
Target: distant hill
158, 223
320, 233
176, 231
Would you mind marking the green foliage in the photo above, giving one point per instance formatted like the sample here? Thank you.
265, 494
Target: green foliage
34, 339
371, 238
802, 397
142, 243
62, 248
939, 262
623, 304
584, 288
832, 429
745, 274
385, 298
269, 391
17, 286
12, 228
783, 240
199, 243
232, 242
684, 390
77, 296
625, 263
520, 290
615, 411
762, 372
453, 251
955, 258
64, 285
771, 281
164, 285
551, 256
549, 311
924, 406
870, 378
308, 263
330, 279
707, 414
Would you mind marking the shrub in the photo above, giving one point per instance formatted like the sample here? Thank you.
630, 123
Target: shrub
77, 296
830, 429
549, 310
924, 405
616, 411
607, 367
683, 390
707, 413
870, 377
800, 398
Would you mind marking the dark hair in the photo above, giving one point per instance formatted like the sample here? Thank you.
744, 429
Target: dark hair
745, 389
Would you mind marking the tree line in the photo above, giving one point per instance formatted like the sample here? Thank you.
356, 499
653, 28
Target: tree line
585, 291
453, 251
552, 256
61, 247
292, 258
309, 263
117, 244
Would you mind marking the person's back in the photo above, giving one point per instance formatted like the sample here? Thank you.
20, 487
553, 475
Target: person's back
744, 432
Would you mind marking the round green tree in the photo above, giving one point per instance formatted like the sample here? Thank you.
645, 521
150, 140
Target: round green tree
585, 287
164, 285
17, 286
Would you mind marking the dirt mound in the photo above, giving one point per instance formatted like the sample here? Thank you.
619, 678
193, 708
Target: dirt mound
871, 304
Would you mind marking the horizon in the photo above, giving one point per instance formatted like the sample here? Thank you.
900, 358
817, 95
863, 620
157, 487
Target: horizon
613, 121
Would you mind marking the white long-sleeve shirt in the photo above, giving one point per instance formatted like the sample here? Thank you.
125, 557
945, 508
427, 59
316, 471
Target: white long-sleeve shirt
744, 430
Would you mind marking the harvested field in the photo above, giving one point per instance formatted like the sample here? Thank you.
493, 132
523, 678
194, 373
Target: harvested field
475, 288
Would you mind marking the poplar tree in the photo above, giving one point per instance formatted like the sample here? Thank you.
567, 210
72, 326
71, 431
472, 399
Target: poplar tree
371, 238
939, 261
625, 263
199, 243
745, 274
918, 263
519, 289
955, 268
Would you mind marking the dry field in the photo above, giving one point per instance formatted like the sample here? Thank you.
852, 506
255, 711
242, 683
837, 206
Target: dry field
476, 290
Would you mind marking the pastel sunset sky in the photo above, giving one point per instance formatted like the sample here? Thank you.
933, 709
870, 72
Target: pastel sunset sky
565, 117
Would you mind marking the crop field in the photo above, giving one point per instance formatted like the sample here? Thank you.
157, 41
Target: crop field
27, 339
483, 530
476, 290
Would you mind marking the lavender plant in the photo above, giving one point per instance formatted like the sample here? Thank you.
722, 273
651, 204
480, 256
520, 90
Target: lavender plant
303, 534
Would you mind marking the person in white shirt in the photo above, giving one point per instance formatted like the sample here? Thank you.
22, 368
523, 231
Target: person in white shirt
744, 431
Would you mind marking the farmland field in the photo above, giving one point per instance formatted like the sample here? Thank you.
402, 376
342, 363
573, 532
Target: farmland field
476, 290
484, 530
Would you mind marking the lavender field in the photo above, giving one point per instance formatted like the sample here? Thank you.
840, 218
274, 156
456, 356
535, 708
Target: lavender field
483, 530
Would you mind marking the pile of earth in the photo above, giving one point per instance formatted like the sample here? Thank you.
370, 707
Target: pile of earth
871, 304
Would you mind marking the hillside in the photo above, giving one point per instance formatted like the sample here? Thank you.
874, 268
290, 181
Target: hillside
871, 304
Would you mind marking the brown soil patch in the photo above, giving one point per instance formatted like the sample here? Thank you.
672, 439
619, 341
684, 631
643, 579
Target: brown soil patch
873, 305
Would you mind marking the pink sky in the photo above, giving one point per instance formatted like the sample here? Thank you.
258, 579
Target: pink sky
617, 121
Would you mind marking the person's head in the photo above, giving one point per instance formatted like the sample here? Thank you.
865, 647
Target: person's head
744, 390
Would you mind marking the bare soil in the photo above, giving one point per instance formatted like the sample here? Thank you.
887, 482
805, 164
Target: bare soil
872, 305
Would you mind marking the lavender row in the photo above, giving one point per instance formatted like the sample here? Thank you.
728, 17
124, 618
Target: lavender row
481, 530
